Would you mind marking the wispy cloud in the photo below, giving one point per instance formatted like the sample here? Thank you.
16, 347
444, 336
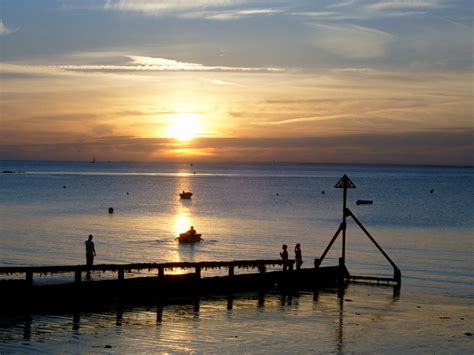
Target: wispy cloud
167, 7
221, 82
151, 64
219, 10
4, 30
230, 14
403, 4
367, 10
135, 64
351, 41
341, 4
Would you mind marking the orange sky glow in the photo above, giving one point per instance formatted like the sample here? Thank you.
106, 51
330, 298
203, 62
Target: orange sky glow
347, 90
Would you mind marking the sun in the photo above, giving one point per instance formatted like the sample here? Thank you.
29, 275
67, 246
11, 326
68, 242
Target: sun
183, 127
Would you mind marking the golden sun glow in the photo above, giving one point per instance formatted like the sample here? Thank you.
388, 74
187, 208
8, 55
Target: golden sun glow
184, 127
182, 222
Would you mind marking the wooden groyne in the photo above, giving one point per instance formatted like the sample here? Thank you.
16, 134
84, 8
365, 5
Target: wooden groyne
160, 285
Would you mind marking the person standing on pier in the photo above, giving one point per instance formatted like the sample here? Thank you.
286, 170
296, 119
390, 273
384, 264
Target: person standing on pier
284, 256
298, 256
90, 253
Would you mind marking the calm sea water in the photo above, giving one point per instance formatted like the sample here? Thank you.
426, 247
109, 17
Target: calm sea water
247, 212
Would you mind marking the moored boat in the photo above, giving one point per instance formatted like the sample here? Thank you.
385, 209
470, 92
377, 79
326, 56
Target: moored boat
185, 195
364, 202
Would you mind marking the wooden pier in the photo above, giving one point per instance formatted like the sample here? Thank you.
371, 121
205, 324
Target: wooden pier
25, 293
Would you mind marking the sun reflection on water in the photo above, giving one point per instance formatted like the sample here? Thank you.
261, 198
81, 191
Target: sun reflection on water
182, 221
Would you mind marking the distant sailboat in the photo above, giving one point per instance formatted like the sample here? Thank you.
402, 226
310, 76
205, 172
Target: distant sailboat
93, 159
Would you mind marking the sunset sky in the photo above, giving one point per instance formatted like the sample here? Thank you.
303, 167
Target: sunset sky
237, 81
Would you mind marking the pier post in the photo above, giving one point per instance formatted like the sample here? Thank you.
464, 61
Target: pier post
317, 262
340, 273
344, 183
121, 274
290, 266
262, 268
77, 276
231, 270
198, 272
161, 272
29, 278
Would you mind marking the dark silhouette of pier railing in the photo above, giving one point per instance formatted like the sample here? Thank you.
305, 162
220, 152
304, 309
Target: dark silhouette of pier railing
122, 269
158, 283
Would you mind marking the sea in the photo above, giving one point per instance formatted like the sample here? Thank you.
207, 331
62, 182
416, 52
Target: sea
422, 217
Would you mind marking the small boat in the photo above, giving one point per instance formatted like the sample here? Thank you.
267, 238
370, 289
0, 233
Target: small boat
186, 238
186, 195
364, 202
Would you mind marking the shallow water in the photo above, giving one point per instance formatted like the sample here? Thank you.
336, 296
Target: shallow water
247, 212
364, 319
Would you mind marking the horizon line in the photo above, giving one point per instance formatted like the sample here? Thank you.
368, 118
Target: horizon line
277, 163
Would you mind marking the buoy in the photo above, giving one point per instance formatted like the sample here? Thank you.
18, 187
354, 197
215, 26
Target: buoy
278, 194
111, 210
364, 202
323, 192
431, 191
64, 186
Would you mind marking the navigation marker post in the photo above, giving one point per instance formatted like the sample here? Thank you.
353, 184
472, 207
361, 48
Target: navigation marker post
344, 183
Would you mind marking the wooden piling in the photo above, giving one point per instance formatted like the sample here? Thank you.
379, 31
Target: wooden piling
29, 278
161, 272
77, 277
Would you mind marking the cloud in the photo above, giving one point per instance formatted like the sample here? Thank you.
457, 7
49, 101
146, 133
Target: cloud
4, 30
354, 70
403, 4
220, 10
351, 41
26, 70
424, 147
230, 15
151, 64
166, 7
135, 64
370, 10
221, 82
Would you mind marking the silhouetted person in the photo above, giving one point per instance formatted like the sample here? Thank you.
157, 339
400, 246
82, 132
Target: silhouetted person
284, 256
298, 256
191, 231
90, 253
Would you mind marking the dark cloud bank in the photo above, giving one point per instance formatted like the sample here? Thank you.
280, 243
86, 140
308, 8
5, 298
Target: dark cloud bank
433, 148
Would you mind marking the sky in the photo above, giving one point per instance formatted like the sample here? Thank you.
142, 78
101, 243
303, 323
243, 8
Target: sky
238, 81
